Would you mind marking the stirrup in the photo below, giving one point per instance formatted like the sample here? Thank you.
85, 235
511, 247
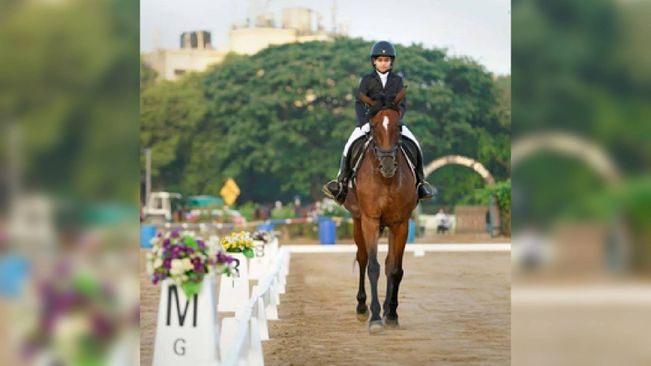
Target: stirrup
342, 190
327, 192
429, 194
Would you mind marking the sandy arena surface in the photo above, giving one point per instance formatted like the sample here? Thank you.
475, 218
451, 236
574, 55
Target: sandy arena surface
454, 308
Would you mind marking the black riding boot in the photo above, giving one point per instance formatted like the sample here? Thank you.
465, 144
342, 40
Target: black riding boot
338, 188
425, 190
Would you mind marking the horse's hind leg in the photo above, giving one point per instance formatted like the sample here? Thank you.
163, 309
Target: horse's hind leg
394, 272
362, 259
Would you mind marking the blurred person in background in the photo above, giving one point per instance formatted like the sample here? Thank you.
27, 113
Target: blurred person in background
442, 221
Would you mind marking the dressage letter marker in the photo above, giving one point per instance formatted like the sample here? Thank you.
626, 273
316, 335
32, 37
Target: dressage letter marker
234, 291
187, 331
261, 263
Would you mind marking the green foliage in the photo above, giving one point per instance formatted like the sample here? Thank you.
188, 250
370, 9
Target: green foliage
628, 204
345, 230
277, 121
190, 288
147, 76
68, 76
331, 209
286, 212
170, 118
247, 210
306, 230
501, 193
581, 67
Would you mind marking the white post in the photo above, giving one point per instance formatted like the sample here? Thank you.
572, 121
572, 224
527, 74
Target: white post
187, 332
260, 313
255, 356
234, 291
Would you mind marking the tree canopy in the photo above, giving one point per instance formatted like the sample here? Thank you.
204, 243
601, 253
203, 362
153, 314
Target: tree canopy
277, 121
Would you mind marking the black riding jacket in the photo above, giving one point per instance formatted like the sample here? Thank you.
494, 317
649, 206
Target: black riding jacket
371, 85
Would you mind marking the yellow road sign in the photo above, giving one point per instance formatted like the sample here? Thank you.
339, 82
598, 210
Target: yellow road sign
230, 191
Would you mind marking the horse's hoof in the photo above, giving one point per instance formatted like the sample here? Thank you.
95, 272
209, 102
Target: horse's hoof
375, 327
391, 323
362, 317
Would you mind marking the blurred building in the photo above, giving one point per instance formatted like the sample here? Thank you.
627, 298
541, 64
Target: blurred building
194, 54
196, 51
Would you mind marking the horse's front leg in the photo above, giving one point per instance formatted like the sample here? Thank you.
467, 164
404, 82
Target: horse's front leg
394, 272
362, 259
370, 229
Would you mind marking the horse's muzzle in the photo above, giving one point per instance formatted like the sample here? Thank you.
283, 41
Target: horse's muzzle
388, 167
387, 160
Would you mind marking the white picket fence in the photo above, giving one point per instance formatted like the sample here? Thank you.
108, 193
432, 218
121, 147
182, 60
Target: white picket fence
239, 338
250, 323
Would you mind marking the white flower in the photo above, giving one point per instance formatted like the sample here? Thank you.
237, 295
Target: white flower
67, 331
187, 264
158, 263
177, 268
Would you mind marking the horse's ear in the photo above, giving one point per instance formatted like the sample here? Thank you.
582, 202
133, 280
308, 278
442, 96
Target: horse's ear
400, 96
365, 99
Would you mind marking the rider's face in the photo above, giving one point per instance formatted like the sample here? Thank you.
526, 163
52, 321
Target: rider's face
382, 63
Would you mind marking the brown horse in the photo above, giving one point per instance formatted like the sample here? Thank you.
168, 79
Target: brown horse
384, 196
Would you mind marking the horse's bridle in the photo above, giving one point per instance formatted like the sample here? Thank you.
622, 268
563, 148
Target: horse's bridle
387, 160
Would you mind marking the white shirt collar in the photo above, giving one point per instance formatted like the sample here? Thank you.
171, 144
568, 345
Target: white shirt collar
383, 77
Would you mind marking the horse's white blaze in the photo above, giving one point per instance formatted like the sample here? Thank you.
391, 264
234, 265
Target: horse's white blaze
385, 123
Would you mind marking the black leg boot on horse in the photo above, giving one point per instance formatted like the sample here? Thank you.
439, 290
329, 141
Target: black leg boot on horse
424, 189
337, 189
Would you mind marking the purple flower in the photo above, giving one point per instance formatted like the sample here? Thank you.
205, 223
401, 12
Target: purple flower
154, 279
166, 242
175, 233
102, 326
167, 263
201, 244
223, 258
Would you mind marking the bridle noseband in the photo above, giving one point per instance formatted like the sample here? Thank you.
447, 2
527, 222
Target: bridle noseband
387, 160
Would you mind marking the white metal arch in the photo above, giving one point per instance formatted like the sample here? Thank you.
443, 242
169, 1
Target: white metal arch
477, 167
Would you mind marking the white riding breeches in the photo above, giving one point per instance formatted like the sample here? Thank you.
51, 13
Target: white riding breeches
360, 131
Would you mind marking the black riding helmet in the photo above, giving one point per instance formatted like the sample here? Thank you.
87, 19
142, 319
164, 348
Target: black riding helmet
383, 48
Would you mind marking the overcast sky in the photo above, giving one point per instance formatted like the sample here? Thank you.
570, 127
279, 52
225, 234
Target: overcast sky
480, 29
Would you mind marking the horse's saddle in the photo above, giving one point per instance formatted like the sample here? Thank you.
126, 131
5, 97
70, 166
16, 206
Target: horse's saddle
357, 149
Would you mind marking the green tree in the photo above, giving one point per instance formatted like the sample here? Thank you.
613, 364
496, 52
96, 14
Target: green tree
277, 121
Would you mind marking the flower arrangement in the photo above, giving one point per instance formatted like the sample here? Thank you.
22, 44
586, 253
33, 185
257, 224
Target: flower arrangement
264, 236
185, 260
79, 318
240, 242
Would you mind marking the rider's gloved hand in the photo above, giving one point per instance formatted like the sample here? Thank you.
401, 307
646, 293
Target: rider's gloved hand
375, 108
366, 128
